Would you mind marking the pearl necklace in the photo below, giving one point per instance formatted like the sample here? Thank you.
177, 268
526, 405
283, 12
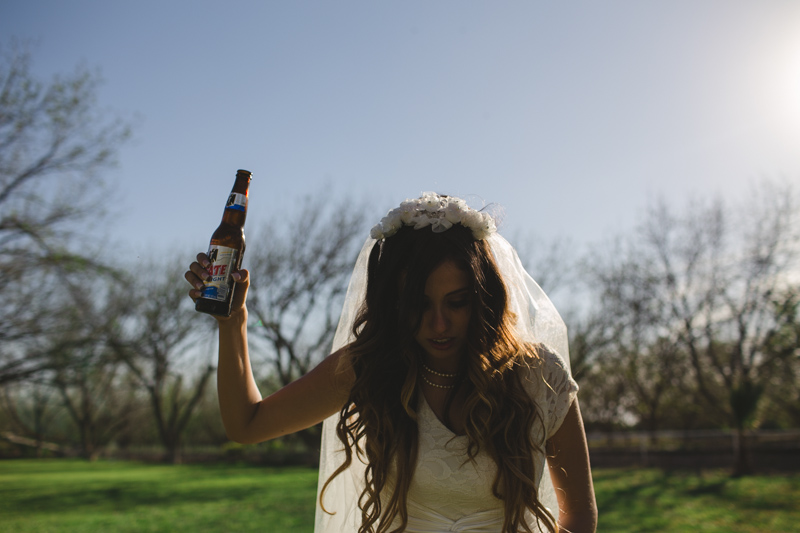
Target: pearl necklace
440, 374
432, 384
435, 373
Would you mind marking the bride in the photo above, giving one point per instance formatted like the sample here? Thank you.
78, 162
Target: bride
447, 392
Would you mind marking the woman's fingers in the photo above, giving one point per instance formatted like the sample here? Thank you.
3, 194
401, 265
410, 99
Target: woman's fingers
203, 259
242, 279
196, 275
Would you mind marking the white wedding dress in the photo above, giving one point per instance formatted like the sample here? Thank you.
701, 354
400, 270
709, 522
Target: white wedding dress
448, 493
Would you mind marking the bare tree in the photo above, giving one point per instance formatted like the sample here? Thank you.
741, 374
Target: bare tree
30, 408
96, 395
299, 277
78, 369
784, 346
156, 338
632, 335
79, 364
604, 391
95, 391
53, 142
706, 281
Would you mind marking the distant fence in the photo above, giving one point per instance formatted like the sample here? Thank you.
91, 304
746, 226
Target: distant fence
770, 451
271, 453
697, 449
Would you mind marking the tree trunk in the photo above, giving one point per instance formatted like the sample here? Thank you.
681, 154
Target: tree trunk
744, 400
742, 461
173, 455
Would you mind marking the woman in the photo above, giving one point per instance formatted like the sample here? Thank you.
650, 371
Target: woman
445, 391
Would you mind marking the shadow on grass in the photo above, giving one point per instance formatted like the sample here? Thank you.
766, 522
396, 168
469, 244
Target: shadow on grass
124, 487
652, 500
715, 488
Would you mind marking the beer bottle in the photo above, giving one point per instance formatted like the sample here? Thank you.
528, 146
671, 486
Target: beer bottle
226, 251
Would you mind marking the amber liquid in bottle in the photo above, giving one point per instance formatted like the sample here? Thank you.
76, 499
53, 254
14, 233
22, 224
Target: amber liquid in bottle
226, 251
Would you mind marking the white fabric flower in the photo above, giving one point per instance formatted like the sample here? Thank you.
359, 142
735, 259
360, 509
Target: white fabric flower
440, 225
431, 203
390, 226
454, 211
439, 212
421, 221
407, 211
472, 219
376, 232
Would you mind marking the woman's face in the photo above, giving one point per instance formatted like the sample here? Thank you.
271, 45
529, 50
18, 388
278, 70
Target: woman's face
442, 333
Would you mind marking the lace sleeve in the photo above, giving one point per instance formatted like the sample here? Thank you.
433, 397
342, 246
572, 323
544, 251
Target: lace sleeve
553, 389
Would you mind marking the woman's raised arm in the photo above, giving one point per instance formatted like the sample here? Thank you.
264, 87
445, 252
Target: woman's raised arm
246, 416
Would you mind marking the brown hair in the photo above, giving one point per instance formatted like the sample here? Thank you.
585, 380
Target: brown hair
381, 410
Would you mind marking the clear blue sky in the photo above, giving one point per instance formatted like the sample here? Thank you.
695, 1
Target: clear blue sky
571, 115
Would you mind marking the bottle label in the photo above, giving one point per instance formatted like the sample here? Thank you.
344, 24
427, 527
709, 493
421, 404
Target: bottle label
223, 261
237, 201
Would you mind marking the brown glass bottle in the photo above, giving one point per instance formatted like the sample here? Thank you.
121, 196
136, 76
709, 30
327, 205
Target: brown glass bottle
226, 251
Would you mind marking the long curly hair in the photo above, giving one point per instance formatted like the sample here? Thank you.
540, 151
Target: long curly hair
379, 420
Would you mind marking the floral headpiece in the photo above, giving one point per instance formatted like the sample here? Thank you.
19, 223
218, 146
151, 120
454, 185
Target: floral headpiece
438, 212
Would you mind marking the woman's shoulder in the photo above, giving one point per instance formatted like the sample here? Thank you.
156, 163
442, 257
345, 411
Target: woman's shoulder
541, 365
541, 356
547, 379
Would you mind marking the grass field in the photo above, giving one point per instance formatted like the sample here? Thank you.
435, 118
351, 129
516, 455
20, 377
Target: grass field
649, 500
72, 496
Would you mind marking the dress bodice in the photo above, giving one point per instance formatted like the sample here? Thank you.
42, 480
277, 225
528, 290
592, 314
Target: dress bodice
444, 479
450, 493
449, 488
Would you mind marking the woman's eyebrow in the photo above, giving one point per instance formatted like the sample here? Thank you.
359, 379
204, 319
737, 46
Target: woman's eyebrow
457, 291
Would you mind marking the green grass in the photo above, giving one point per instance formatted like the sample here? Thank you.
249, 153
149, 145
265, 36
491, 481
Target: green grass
72, 496
650, 500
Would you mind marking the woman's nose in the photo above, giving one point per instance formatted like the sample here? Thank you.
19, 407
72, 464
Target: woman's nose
440, 320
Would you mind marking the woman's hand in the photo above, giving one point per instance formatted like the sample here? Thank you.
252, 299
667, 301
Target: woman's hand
197, 274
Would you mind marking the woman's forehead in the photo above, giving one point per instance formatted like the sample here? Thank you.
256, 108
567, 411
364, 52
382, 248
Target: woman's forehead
447, 278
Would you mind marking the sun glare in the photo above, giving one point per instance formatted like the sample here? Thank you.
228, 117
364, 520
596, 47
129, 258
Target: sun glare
781, 86
790, 78
793, 84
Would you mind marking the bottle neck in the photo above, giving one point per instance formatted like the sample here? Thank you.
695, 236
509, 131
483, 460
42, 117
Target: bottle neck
236, 210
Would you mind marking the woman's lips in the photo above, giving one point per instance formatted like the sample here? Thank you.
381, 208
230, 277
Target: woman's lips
442, 344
